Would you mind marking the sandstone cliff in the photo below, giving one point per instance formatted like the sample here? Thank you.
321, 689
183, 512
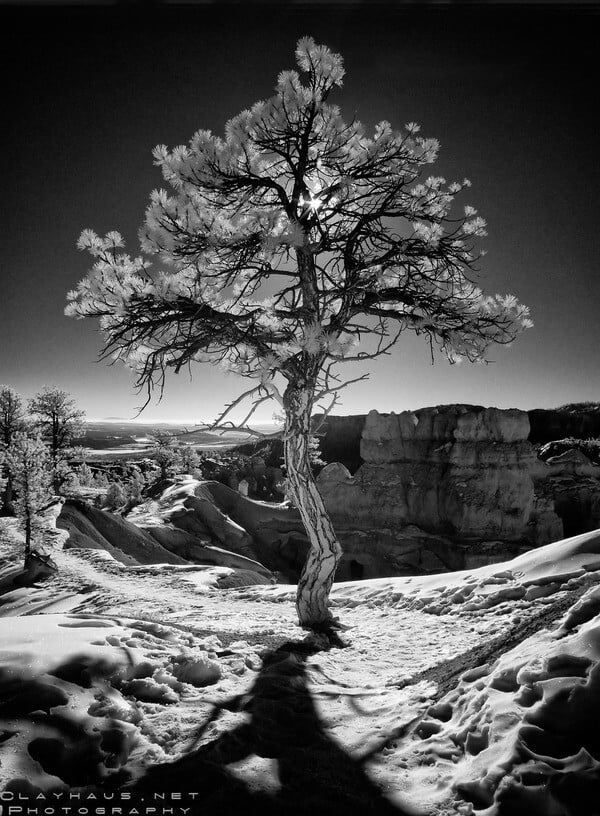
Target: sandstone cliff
460, 482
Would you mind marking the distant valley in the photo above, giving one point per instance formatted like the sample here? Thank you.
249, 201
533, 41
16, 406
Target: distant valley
123, 438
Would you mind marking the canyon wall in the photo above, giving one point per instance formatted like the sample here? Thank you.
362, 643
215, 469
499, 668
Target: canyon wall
466, 476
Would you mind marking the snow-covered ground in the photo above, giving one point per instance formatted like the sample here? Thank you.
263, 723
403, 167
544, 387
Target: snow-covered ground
473, 692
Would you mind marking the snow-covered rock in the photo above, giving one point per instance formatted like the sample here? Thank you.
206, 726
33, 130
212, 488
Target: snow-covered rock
92, 528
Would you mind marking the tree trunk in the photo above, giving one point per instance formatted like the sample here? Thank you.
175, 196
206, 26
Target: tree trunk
8, 495
325, 552
27, 534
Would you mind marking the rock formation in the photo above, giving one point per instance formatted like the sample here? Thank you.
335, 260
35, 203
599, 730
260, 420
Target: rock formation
436, 489
160, 542
462, 483
92, 528
210, 514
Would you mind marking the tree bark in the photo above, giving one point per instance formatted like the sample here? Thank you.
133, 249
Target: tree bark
27, 535
312, 597
8, 495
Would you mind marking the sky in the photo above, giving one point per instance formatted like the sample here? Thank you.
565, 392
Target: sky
509, 91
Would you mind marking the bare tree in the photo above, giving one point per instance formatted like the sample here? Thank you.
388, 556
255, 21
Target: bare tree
295, 243
59, 421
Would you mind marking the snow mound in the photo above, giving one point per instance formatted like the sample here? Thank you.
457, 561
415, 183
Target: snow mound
85, 699
517, 737
197, 669
566, 564
569, 564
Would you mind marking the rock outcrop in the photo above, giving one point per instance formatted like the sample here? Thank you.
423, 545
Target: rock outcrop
159, 541
462, 472
208, 514
462, 483
341, 435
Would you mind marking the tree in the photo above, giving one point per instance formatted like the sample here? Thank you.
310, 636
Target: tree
188, 459
115, 496
134, 488
12, 420
59, 422
165, 453
84, 474
295, 243
29, 462
100, 480
12, 414
314, 453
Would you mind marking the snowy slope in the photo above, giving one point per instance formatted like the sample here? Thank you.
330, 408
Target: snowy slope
463, 693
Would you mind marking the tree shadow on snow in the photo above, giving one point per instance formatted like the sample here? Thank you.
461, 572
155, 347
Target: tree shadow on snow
314, 774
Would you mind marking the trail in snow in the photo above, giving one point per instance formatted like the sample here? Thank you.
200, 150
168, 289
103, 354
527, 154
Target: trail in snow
392, 644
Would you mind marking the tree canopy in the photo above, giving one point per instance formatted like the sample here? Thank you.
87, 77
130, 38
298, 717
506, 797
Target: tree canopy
291, 185
12, 414
28, 461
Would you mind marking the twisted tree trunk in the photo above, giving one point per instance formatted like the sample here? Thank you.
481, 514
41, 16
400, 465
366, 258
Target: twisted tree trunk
319, 570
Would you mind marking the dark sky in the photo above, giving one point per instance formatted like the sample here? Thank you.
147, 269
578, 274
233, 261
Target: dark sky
510, 92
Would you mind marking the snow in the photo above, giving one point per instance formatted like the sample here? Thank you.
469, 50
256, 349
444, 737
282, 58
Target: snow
522, 719
539, 573
469, 692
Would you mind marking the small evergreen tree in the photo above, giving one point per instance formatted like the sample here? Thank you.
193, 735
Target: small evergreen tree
59, 422
101, 480
29, 463
12, 420
166, 454
85, 475
188, 459
314, 453
135, 487
72, 480
115, 496
12, 414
